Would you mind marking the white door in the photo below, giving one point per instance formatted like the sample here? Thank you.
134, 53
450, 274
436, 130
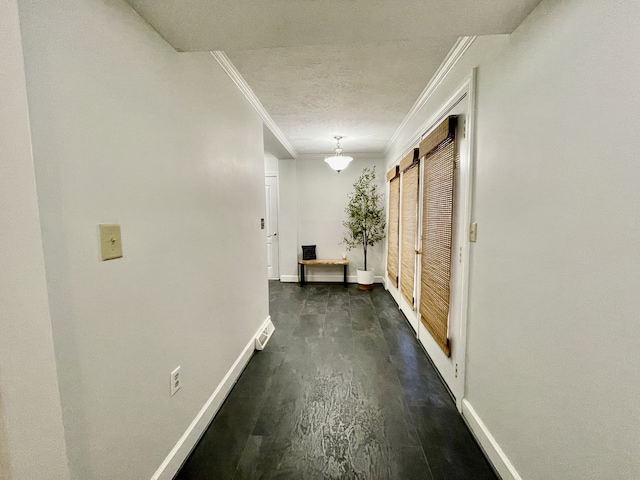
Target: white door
271, 224
451, 368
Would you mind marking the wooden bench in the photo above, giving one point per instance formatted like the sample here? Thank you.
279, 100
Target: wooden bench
302, 263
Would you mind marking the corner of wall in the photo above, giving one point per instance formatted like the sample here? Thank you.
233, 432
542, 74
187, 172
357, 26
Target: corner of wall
32, 437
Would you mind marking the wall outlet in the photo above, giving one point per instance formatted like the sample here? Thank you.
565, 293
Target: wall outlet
176, 382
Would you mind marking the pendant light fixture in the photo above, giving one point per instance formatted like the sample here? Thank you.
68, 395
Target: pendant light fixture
338, 161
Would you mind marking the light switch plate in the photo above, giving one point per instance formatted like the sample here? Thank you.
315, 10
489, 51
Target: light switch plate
473, 232
110, 241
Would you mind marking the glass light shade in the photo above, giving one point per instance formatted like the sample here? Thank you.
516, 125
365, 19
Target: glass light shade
338, 162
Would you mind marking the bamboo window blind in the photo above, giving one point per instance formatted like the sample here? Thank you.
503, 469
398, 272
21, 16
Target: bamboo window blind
393, 238
409, 224
438, 151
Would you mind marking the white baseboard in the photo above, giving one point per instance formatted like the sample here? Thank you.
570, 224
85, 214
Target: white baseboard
393, 290
190, 437
310, 277
496, 455
289, 278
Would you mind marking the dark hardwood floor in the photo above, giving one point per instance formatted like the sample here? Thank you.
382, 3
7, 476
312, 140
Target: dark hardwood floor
342, 391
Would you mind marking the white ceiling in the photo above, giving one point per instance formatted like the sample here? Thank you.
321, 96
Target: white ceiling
332, 67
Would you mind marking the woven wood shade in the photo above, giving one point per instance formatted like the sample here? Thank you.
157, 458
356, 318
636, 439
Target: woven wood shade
393, 237
409, 159
437, 220
445, 131
409, 231
393, 173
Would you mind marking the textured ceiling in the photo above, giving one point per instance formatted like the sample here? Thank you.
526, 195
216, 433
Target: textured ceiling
197, 25
332, 67
359, 91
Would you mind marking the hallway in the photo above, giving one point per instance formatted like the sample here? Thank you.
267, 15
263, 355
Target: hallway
342, 391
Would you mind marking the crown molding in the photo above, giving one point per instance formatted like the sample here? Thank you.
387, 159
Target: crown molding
456, 52
246, 90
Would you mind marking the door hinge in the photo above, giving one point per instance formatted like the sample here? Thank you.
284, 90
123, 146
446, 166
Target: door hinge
456, 370
464, 128
460, 256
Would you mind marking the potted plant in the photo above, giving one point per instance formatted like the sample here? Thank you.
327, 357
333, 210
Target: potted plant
365, 221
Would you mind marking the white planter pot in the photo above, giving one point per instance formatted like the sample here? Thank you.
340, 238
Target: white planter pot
365, 279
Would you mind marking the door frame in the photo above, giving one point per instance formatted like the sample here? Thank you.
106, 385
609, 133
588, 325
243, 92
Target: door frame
269, 175
468, 89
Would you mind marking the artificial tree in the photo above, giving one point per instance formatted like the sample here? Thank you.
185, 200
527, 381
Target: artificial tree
365, 222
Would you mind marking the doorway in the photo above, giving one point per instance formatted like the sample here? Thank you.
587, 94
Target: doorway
450, 359
271, 225
452, 367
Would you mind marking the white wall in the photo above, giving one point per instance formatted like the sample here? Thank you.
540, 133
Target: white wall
322, 198
126, 130
288, 219
553, 345
312, 202
270, 165
31, 432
